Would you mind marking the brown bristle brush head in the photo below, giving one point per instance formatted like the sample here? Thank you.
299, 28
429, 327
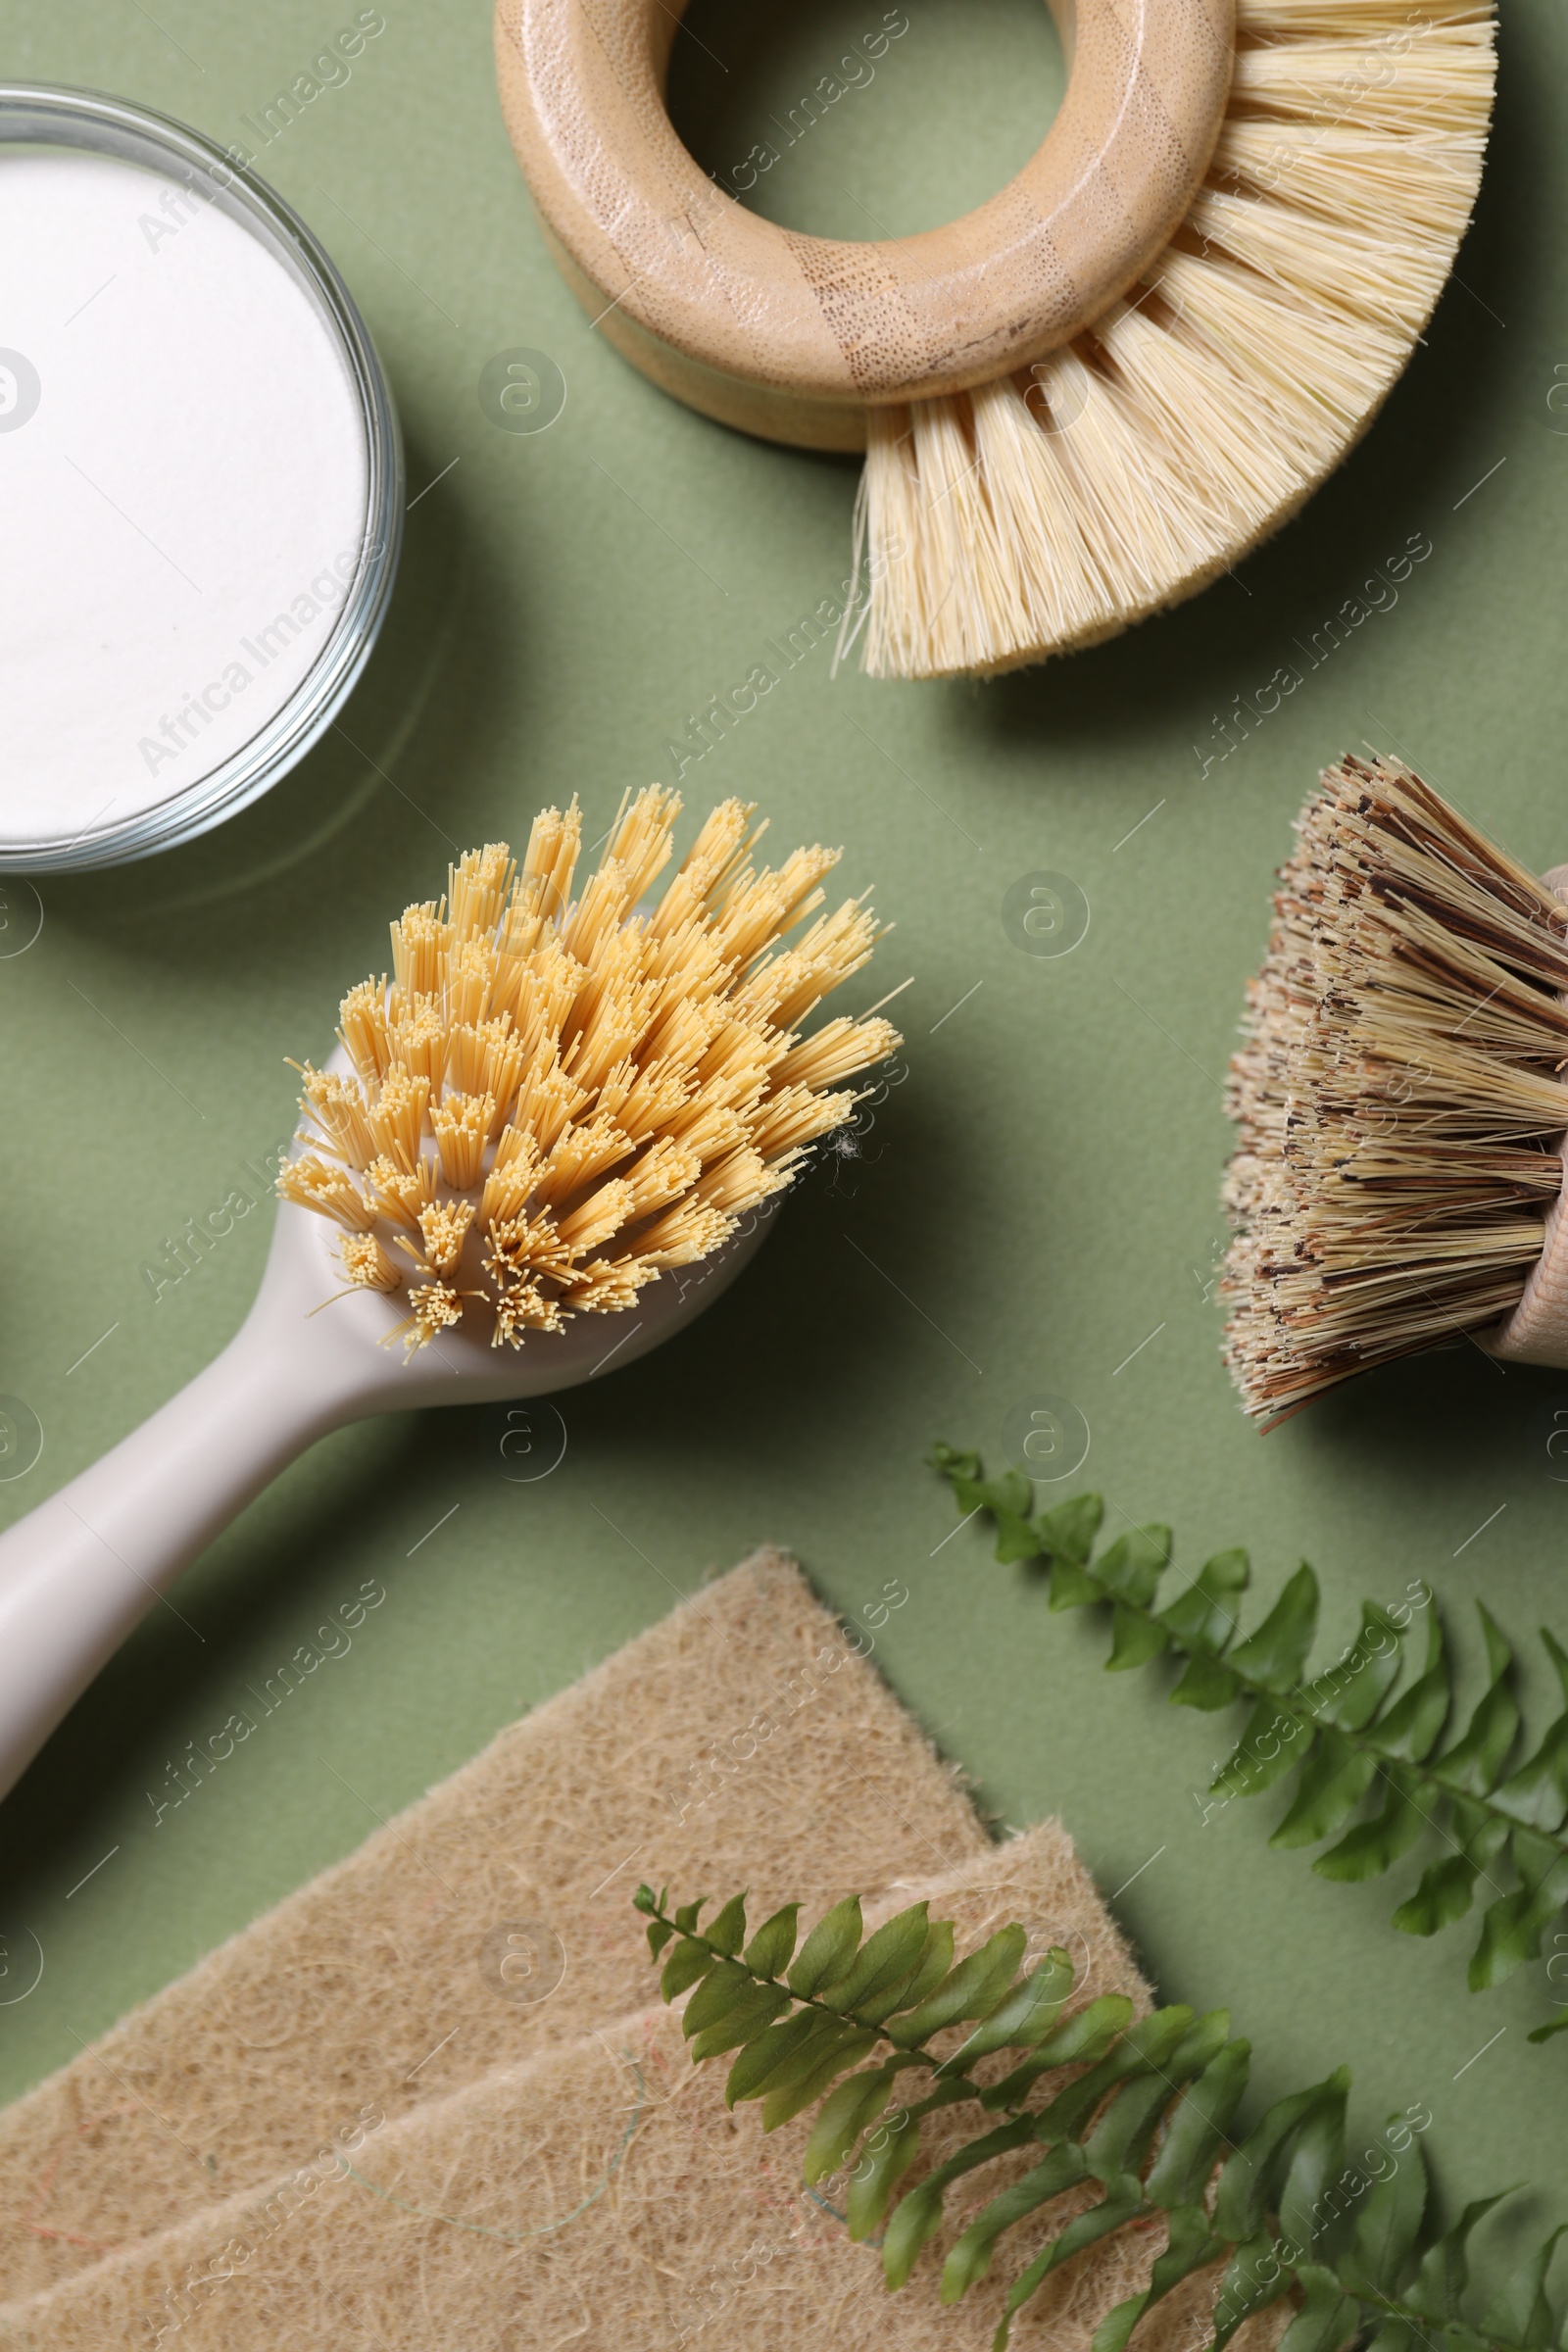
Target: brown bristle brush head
557, 1099
1401, 1100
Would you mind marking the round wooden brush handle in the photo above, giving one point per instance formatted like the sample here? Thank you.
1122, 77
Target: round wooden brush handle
792, 336
1537, 1332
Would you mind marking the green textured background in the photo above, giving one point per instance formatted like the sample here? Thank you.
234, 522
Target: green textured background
1033, 1199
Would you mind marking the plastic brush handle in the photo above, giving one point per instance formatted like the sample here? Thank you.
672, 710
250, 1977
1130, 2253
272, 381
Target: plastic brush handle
83, 1570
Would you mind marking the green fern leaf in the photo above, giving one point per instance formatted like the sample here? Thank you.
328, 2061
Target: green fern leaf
1387, 2226
771, 1949
1538, 1793
875, 2180
1273, 1657
972, 1989
1445, 2272
1413, 1725
1025, 2017
829, 1950
1328, 2317
1146, 2046
1254, 2279
919, 2214
740, 2023
1186, 2154
1121, 2203
1333, 1781
1273, 1743
1079, 2039
1349, 1693
970, 2258
1251, 2177
1447, 1888
1207, 1685
764, 2060
1374, 1846
1204, 1617
1067, 1532
686, 1966
1512, 1927
846, 2113
726, 1932
1132, 1568
936, 1965
1521, 2313
835, 2054
1475, 1761
884, 1965
1135, 1638
1317, 2158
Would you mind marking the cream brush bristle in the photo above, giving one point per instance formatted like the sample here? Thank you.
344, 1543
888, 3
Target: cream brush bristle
1400, 1097
557, 1099
1120, 474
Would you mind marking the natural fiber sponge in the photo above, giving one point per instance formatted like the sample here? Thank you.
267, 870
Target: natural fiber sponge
742, 1741
603, 2195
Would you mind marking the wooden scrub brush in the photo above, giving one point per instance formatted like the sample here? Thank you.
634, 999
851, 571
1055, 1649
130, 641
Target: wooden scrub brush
1084, 400
546, 1145
1402, 1099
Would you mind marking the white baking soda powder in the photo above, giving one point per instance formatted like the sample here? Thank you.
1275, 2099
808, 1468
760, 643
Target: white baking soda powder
183, 487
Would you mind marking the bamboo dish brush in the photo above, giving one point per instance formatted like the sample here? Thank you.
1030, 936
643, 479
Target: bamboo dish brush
1401, 1097
1090, 396
546, 1145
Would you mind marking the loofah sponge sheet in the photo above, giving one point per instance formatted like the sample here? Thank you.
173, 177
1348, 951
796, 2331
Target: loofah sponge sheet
603, 2194
742, 1741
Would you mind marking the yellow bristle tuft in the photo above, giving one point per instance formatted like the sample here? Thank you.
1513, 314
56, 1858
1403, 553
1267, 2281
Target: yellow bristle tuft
660, 1176
684, 1234
397, 1117
366, 1264
436, 1307
608, 1286
557, 1100
471, 972
478, 887
734, 1184
339, 1109
604, 1211
420, 938
838, 1050
419, 1039
460, 1124
797, 1116
363, 1030
642, 839
443, 1229
522, 1307
581, 1154
404, 1192
486, 1059
329, 1191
